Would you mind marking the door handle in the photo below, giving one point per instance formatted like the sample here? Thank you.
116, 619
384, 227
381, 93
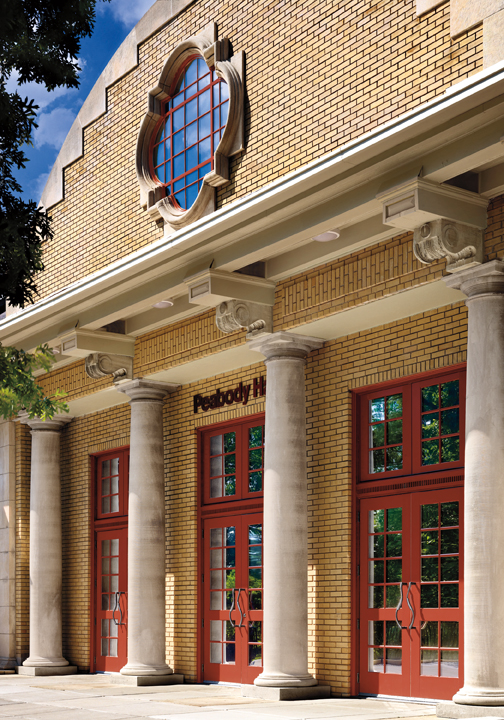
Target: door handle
116, 606
242, 614
399, 606
410, 626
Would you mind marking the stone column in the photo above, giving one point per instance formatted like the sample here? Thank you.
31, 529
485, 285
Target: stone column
146, 530
46, 654
7, 545
484, 486
285, 594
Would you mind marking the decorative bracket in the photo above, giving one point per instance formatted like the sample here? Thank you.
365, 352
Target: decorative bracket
461, 245
233, 315
99, 365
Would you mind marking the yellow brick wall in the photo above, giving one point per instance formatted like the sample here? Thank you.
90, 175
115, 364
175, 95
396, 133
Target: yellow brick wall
318, 75
427, 341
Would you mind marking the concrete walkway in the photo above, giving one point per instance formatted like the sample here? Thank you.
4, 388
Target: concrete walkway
95, 697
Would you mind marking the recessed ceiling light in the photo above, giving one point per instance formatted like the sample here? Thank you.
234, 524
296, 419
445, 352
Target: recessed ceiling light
162, 304
327, 236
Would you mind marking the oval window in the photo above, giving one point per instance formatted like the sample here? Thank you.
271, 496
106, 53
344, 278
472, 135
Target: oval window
190, 131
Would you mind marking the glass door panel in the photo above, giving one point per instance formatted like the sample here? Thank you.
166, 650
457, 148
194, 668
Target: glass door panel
232, 597
111, 600
411, 594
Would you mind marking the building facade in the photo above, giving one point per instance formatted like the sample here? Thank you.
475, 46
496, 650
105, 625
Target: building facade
275, 297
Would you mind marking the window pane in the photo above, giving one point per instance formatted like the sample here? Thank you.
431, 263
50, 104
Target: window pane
224, 88
255, 655
216, 537
430, 516
393, 661
429, 596
394, 458
376, 597
449, 568
430, 634
449, 541
378, 435
204, 102
178, 165
449, 663
450, 393
450, 449
255, 436
255, 555
430, 452
376, 520
255, 482
376, 570
230, 536
393, 595
230, 557
429, 663
449, 634
430, 570
430, 542
255, 459
394, 406
377, 409
375, 660
216, 466
394, 432
430, 425
394, 571
204, 126
377, 461
230, 464
450, 421
192, 157
376, 546
449, 514
394, 545
393, 633
449, 596
394, 519
375, 632
430, 398
204, 152
230, 485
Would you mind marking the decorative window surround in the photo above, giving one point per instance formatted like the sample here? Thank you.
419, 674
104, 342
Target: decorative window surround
216, 55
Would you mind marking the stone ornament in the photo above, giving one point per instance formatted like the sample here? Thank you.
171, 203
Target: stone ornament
461, 245
231, 69
233, 315
99, 365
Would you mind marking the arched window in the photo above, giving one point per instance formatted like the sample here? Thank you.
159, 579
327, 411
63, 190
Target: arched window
193, 120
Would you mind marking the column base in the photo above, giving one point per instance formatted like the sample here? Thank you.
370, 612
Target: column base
141, 669
36, 671
475, 696
283, 680
311, 692
147, 680
450, 709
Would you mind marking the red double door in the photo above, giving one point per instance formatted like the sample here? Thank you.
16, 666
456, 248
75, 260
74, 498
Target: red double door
411, 593
232, 598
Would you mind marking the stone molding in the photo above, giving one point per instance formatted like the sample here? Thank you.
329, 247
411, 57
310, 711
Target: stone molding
99, 365
147, 390
122, 62
284, 344
461, 245
234, 315
53, 424
231, 69
485, 279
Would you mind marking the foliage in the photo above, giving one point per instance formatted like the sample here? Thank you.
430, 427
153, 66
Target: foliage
19, 389
39, 42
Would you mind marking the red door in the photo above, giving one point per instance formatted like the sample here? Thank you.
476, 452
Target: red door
411, 595
232, 598
110, 561
111, 600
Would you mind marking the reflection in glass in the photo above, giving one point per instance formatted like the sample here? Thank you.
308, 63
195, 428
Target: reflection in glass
394, 432
449, 541
394, 571
255, 534
230, 556
430, 398
230, 535
393, 633
255, 655
229, 485
377, 435
229, 438
430, 570
449, 596
450, 421
430, 516
375, 632
429, 663
449, 634
215, 630
430, 452
394, 519
215, 653
449, 514
376, 546
255, 577
229, 653
255, 481
393, 595
430, 542
255, 555
376, 596
375, 661
216, 466
394, 545
450, 393
430, 425
255, 436
377, 461
393, 661
230, 464
255, 459
450, 449
394, 406
376, 568
449, 568
430, 634
394, 458
377, 409
376, 520
429, 596
216, 537
449, 663
255, 600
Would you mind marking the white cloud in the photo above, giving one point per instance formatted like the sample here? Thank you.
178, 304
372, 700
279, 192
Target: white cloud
38, 184
38, 92
127, 12
53, 127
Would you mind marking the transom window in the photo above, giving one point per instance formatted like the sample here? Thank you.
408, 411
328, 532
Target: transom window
112, 472
233, 461
412, 428
194, 119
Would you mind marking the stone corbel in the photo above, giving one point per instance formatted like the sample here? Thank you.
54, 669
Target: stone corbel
233, 315
461, 245
99, 365
447, 222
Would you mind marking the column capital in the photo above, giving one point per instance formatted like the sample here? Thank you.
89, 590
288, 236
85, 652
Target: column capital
36, 423
285, 344
142, 389
486, 279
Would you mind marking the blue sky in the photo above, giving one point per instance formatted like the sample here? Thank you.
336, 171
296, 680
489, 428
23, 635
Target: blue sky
59, 108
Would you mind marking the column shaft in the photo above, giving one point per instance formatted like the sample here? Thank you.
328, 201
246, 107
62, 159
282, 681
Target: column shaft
285, 602
45, 546
146, 531
484, 487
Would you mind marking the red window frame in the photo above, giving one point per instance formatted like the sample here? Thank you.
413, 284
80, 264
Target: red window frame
216, 110
122, 481
412, 412
241, 428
